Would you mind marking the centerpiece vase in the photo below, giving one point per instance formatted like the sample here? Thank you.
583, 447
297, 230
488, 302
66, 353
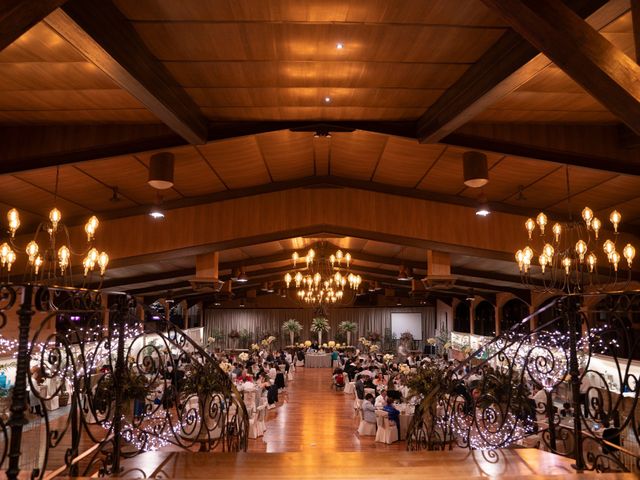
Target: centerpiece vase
348, 338
290, 338
319, 338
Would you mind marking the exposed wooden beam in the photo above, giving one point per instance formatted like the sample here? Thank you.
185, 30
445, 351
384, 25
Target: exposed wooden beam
509, 63
542, 153
107, 39
18, 16
580, 51
635, 20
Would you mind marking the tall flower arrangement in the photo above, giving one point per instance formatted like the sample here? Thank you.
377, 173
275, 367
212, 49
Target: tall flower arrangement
320, 325
348, 328
291, 327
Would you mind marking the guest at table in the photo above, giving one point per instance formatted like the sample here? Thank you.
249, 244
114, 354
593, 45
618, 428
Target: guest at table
393, 413
334, 359
359, 388
381, 400
368, 410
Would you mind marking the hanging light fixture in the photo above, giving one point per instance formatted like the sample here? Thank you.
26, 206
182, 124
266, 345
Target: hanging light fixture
570, 254
47, 260
161, 170
475, 170
320, 279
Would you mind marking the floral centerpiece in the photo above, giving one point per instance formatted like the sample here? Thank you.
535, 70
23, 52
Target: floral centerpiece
387, 358
292, 327
255, 347
320, 325
331, 344
307, 343
243, 357
348, 328
226, 367
374, 348
404, 369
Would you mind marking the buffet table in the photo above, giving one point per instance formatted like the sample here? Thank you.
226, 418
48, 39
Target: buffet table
317, 360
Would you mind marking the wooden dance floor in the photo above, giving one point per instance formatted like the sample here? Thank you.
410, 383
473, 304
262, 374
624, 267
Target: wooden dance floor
312, 434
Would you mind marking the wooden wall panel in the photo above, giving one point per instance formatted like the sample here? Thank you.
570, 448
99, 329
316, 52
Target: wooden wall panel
310, 73
404, 162
40, 44
355, 155
305, 41
288, 155
238, 162
470, 12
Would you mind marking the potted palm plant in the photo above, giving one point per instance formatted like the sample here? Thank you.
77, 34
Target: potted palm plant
292, 327
348, 328
320, 325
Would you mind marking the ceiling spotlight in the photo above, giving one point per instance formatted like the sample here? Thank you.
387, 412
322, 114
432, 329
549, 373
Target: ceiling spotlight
216, 303
161, 170
242, 303
156, 213
327, 99
482, 209
405, 274
322, 134
339, 45
242, 276
475, 170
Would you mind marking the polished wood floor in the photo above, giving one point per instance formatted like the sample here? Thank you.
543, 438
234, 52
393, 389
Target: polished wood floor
313, 416
312, 434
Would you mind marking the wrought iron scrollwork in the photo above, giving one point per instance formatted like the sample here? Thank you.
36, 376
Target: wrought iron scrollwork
581, 411
129, 385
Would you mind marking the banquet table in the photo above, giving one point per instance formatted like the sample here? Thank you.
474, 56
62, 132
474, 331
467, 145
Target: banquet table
406, 415
317, 360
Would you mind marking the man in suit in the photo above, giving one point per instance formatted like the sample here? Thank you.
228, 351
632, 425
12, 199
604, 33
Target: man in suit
360, 388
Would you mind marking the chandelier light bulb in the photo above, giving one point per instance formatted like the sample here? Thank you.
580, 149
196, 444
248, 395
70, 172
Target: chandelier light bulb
587, 216
530, 225
520, 259
629, 253
13, 217
548, 250
543, 259
298, 279
566, 263
528, 253
581, 249
615, 260
295, 257
317, 278
347, 259
596, 224
54, 217
103, 261
37, 263
332, 260
339, 256
32, 251
609, 247
4, 251
86, 263
591, 261
541, 220
615, 218
287, 279
63, 257
90, 227
11, 259
557, 230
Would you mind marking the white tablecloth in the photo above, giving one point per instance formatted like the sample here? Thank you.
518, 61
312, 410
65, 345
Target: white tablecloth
317, 361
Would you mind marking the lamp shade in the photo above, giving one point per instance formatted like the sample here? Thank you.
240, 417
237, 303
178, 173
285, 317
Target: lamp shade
476, 173
161, 170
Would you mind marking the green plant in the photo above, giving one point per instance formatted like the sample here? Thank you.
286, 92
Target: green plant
292, 325
347, 326
217, 335
234, 334
204, 379
428, 380
320, 324
132, 386
245, 337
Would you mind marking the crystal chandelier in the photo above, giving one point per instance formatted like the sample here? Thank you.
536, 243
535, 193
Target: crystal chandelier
569, 254
321, 280
49, 253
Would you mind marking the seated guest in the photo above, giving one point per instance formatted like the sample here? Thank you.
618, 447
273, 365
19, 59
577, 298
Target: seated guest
381, 400
360, 388
272, 371
368, 410
338, 378
393, 413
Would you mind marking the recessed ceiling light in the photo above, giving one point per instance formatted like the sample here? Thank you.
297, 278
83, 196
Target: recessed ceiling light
327, 99
156, 213
339, 45
482, 212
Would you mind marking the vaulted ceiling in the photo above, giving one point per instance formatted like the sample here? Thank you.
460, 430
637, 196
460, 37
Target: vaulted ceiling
237, 89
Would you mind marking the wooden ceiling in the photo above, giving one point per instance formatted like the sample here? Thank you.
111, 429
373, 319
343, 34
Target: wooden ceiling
237, 88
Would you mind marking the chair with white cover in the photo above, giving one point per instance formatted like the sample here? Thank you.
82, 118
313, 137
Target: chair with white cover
366, 428
262, 416
350, 387
357, 403
254, 425
372, 391
387, 430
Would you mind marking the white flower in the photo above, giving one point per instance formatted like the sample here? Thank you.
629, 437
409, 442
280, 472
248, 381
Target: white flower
404, 368
387, 358
374, 348
226, 367
432, 341
211, 340
255, 346
331, 344
447, 345
243, 357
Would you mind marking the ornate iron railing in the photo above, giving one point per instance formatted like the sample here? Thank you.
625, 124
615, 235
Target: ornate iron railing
133, 386
587, 412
